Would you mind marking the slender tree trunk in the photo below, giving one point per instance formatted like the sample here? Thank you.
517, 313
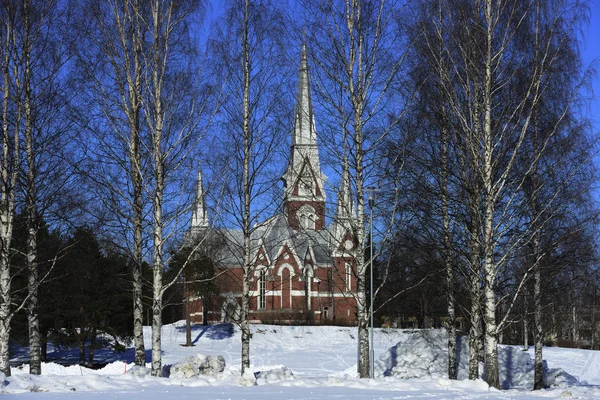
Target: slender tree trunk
44, 337
574, 332
81, 345
9, 169
160, 53
5, 312
452, 367
356, 80
525, 323
475, 294
135, 161
491, 342
186, 309
361, 281
538, 378
35, 364
244, 315
92, 348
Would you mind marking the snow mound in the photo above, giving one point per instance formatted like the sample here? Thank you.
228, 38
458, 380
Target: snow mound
424, 354
195, 366
557, 377
275, 374
139, 371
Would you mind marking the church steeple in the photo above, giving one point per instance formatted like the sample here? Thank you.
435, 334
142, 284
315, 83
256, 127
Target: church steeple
345, 206
304, 191
199, 218
345, 218
304, 119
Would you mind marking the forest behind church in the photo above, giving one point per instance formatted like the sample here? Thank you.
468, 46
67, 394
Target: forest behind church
464, 121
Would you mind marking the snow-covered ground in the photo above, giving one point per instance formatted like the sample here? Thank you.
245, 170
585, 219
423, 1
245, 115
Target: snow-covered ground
299, 362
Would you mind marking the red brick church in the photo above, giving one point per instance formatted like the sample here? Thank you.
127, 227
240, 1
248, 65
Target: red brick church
304, 270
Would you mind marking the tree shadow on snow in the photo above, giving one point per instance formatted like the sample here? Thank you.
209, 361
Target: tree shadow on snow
213, 332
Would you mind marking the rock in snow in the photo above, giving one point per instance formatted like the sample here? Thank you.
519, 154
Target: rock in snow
138, 371
198, 365
276, 374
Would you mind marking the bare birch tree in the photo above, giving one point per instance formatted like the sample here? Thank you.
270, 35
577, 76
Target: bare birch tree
358, 51
173, 135
493, 86
33, 57
250, 62
114, 31
11, 116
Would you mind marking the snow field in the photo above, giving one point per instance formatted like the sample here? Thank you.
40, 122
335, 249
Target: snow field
308, 362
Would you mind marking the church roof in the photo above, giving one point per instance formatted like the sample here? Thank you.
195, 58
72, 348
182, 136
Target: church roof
272, 234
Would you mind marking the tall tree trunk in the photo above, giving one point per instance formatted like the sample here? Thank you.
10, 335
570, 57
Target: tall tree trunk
160, 53
92, 347
135, 160
9, 169
452, 366
538, 376
356, 81
245, 310
186, 310
525, 323
35, 363
491, 343
475, 314
81, 346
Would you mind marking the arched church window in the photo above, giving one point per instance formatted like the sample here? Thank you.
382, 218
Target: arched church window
307, 217
262, 290
348, 277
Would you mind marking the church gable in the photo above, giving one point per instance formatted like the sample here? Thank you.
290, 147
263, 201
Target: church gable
309, 257
262, 258
287, 255
307, 184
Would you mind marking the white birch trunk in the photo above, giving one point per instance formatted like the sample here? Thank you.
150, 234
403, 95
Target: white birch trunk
525, 323
9, 167
489, 267
245, 306
475, 294
133, 107
160, 54
452, 367
538, 376
33, 321
5, 298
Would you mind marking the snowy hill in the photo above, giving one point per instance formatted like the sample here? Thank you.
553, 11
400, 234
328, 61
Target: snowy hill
307, 362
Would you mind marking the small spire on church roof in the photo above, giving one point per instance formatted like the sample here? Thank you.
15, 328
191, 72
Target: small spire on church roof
199, 218
345, 205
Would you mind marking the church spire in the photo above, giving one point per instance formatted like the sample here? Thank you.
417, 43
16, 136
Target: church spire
304, 119
345, 219
345, 206
304, 191
199, 219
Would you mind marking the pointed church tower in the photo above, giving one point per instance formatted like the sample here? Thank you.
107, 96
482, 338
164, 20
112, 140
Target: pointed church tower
199, 218
304, 183
345, 219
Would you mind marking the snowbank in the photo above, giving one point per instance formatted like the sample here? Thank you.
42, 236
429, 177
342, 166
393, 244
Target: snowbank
424, 354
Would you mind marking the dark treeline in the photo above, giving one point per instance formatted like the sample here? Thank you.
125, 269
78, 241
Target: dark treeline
467, 116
